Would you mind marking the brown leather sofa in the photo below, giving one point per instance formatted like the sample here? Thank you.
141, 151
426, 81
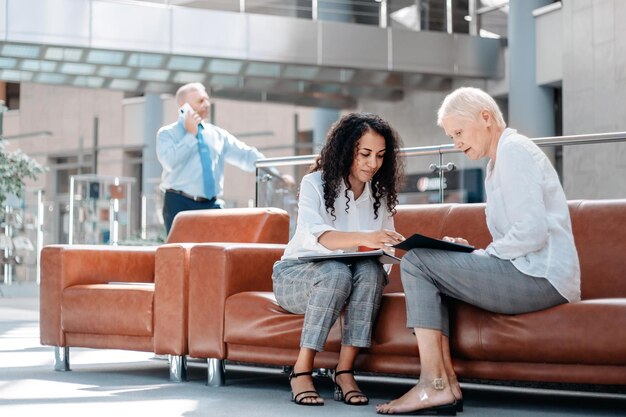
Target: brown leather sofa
234, 316
135, 298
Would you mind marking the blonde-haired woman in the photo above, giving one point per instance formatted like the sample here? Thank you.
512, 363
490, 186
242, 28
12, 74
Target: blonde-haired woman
530, 265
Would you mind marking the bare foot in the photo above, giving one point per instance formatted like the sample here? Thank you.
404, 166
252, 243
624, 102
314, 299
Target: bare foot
347, 383
425, 394
300, 384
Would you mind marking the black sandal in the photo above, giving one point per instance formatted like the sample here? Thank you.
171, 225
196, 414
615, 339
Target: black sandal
348, 396
301, 396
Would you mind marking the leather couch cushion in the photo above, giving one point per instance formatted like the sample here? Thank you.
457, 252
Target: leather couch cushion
111, 309
391, 336
415, 218
588, 332
254, 318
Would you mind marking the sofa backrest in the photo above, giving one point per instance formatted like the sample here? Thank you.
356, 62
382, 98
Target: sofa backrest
439, 220
600, 235
243, 225
599, 228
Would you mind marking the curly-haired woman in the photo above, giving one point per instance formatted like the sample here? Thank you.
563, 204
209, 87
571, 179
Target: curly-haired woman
346, 201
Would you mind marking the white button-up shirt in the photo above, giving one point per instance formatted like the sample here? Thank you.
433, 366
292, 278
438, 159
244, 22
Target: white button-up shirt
314, 220
528, 217
177, 151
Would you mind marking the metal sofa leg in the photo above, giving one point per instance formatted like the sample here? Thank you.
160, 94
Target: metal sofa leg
62, 358
178, 368
216, 372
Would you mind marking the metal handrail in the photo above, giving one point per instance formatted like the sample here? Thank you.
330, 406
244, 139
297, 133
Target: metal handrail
438, 151
369, 9
588, 139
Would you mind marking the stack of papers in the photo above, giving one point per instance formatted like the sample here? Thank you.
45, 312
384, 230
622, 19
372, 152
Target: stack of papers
413, 242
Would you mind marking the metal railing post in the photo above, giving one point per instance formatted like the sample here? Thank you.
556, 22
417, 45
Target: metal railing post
449, 20
9, 256
382, 17
39, 229
418, 15
440, 178
473, 15
71, 222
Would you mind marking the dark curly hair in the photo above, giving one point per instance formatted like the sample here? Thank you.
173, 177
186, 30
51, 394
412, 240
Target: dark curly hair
335, 160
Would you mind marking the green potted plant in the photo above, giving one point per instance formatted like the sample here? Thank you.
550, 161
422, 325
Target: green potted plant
15, 168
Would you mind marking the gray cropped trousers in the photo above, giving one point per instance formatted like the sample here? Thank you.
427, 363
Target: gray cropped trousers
429, 276
320, 290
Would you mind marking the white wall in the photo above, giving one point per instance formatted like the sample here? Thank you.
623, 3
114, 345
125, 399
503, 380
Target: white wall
594, 96
68, 113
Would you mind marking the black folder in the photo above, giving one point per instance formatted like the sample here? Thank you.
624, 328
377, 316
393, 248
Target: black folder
421, 241
382, 256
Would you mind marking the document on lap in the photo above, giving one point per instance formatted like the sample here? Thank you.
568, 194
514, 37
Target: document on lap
421, 241
383, 257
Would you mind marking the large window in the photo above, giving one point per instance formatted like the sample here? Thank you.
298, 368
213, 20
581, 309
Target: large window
12, 100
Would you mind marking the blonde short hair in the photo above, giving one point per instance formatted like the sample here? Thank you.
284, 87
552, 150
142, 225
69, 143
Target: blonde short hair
182, 92
469, 102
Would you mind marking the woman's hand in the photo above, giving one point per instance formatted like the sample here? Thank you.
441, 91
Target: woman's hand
378, 239
459, 240
381, 239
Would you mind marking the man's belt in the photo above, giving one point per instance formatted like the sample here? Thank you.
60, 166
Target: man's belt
191, 197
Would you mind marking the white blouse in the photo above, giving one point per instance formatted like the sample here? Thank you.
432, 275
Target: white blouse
314, 220
528, 217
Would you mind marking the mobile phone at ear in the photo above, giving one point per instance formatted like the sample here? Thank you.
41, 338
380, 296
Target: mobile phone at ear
185, 108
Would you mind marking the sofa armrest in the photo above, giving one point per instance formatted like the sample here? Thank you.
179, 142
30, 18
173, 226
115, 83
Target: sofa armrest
63, 266
171, 295
217, 271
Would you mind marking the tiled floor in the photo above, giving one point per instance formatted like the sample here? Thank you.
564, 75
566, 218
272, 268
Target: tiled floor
119, 383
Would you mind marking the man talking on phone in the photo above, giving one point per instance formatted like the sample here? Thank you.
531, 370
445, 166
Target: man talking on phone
192, 153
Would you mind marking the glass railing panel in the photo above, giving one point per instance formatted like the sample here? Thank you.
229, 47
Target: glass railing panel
422, 184
23, 236
100, 209
272, 191
439, 173
151, 225
451, 178
429, 179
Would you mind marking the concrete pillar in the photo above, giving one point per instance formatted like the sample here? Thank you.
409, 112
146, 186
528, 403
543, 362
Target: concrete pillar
322, 120
153, 119
531, 107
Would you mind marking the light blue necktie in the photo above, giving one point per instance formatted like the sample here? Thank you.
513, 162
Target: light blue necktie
207, 168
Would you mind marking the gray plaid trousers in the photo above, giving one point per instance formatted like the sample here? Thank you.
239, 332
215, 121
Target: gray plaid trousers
320, 290
484, 281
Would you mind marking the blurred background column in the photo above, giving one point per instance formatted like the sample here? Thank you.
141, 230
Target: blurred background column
322, 120
153, 119
531, 107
